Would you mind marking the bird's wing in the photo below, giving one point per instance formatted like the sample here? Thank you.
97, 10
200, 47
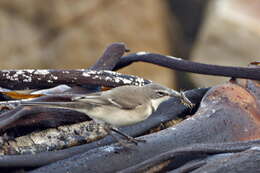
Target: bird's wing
125, 101
94, 98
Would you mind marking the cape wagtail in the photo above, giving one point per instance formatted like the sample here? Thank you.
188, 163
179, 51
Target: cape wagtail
120, 106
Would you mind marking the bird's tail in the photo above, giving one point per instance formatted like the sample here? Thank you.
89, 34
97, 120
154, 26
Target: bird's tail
64, 105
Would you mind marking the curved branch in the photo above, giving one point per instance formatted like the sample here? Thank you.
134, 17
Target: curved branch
189, 66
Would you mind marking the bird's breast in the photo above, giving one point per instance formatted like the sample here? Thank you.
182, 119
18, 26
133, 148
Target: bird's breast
157, 102
121, 117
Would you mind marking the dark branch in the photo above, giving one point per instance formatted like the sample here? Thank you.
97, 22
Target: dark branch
31, 79
189, 66
110, 57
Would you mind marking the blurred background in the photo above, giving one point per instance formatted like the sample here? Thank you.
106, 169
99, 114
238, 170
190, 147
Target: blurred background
69, 34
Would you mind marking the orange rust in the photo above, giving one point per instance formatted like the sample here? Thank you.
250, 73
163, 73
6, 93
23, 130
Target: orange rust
255, 63
250, 137
105, 88
234, 93
256, 83
15, 95
238, 96
158, 167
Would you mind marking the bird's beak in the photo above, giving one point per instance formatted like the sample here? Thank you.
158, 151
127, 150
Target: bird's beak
183, 98
174, 93
186, 101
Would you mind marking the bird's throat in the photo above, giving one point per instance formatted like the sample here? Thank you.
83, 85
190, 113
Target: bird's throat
157, 102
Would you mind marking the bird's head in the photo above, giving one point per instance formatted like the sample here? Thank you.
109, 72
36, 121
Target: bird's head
158, 93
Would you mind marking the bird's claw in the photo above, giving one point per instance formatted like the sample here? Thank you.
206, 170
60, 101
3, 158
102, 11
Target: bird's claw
135, 141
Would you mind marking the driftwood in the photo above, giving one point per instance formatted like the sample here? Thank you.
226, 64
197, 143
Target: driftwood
98, 75
31, 79
53, 139
226, 114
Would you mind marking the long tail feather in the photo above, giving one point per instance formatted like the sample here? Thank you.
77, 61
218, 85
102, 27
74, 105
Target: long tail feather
64, 105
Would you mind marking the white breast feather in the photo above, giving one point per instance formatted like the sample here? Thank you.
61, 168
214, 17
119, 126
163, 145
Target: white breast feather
157, 102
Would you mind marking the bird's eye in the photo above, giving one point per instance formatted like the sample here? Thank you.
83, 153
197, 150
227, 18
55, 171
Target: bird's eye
160, 93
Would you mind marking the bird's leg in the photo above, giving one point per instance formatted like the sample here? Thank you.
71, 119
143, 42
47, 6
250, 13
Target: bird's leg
129, 138
107, 128
120, 141
186, 101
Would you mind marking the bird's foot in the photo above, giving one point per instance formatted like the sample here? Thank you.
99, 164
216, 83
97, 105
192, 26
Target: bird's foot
134, 140
128, 138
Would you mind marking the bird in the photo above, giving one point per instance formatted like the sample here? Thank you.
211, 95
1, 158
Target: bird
120, 106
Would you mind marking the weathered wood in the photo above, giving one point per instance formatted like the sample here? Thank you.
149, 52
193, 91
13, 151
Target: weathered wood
38, 79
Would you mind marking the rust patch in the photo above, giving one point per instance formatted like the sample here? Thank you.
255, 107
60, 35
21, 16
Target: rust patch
238, 96
158, 167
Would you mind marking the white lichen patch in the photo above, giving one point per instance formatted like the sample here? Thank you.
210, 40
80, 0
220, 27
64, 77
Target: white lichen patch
54, 77
141, 53
117, 78
112, 76
41, 72
27, 80
29, 70
18, 74
87, 73
65, 72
